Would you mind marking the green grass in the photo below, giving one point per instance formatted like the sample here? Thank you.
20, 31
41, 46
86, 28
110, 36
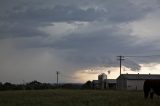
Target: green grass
75, 98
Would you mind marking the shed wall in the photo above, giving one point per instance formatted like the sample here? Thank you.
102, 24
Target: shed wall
121, 83
135, 84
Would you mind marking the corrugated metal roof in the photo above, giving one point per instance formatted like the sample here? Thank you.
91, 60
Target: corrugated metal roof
139, 76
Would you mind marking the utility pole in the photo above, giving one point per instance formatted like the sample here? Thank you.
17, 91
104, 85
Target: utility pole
120, 58
57, 77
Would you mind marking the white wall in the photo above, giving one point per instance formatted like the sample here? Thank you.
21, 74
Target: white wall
135, 84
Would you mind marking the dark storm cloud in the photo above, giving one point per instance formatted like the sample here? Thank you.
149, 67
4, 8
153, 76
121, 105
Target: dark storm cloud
25, 23
93, 40
100, 48
22, 18
96, 42
124, 10
58, 13
13, 30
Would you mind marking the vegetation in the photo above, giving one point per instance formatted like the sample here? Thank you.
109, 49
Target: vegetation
87, 85
59, 97
34, 85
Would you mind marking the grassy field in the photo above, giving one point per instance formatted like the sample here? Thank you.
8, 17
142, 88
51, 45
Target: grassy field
75, 98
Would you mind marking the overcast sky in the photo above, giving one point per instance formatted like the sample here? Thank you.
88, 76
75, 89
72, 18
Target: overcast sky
40, 37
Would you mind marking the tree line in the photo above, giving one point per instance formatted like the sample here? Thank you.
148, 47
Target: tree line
36, 85
33, 85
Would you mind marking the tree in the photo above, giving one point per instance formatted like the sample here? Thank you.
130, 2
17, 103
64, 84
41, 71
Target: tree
87, 85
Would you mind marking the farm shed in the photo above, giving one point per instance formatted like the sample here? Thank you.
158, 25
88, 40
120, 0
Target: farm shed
103, 82
102, 79
112, 83
134, 81
95, 84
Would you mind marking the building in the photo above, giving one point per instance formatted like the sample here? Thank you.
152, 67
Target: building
112, 83
103, 82
95, 84
134, 81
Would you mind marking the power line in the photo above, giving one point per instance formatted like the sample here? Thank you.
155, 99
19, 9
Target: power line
144, 56
121, 58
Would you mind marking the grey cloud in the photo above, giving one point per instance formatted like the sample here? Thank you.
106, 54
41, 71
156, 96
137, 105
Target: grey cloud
94, 40
19, 30
133, 65
98, 48
102, 46
22, 18
25, 23
58, 13
19, 25
119, 11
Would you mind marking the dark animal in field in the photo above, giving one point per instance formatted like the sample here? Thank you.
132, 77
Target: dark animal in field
151, 87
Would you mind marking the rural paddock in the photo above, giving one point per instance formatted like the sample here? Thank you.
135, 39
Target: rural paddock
76, 98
